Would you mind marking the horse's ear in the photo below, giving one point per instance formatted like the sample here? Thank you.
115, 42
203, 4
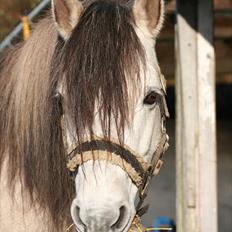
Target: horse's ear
66, 14
150, 14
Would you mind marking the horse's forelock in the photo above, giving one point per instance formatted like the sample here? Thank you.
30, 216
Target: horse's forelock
101, 62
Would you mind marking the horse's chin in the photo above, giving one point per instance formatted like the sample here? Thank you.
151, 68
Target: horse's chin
128, 227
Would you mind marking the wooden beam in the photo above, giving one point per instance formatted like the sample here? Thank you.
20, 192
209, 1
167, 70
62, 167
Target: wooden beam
218, 5
223, 4
225, 79
196, 134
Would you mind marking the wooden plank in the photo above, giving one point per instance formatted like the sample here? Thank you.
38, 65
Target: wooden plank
196, 137
186, 110
179, 144
207, 189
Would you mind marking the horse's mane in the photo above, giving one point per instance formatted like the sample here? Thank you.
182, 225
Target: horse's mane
102, 51
30, 137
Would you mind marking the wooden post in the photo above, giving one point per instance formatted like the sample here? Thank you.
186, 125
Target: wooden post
196, 199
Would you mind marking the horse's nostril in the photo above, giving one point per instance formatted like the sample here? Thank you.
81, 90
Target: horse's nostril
121, 219
77, 216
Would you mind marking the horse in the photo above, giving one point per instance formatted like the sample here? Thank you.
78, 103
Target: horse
82, 112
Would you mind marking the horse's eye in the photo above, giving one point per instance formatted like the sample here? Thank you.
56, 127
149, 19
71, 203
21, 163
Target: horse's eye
150, 99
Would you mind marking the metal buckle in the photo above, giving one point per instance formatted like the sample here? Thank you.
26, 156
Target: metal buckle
158, 167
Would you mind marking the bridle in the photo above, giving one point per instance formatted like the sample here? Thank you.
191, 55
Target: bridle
139, 170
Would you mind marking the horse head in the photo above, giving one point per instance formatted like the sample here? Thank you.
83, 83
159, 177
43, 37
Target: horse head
112, 95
